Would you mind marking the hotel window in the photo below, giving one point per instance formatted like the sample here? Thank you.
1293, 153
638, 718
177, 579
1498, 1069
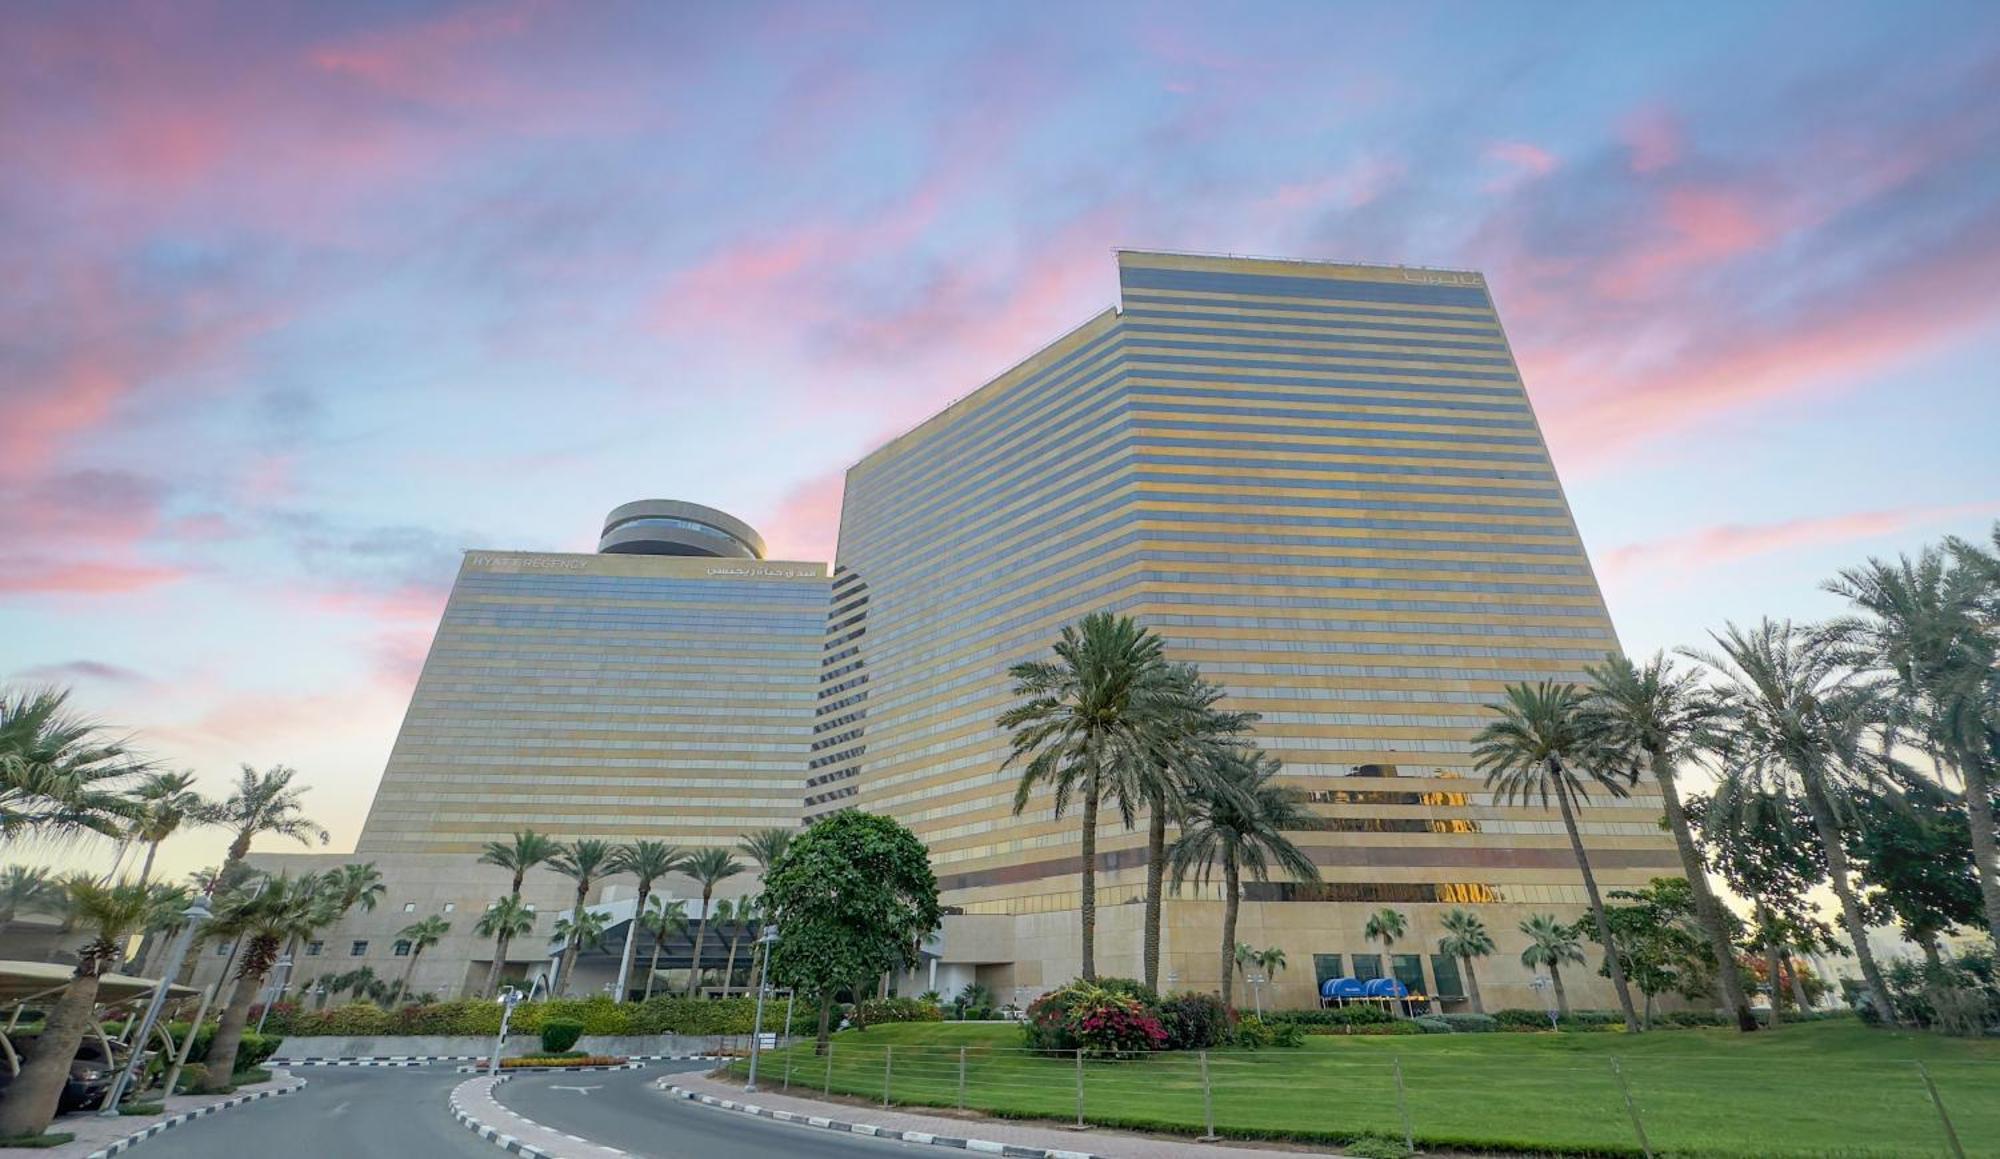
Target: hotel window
1445, 970
1367, 966
409, 907
401, 949
357, 949
450, 906
1409, 970
1325, 967
313, 948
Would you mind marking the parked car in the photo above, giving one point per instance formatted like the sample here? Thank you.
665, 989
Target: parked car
91, 1073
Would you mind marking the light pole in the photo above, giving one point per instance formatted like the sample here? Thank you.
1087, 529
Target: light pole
1541, 984
271, 999
1257, 991
769, 939
509, 998
191, 918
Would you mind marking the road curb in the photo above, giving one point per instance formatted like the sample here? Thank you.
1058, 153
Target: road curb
138, 1137
986, 1146
508, 1142
628, 1064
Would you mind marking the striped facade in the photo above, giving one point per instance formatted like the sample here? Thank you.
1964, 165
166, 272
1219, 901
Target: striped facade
617, 696
1325, 485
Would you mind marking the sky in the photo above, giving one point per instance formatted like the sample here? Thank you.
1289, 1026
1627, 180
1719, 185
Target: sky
299, 302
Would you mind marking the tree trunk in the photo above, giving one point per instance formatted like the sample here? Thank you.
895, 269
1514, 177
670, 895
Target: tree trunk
1933, 959
729, 964
1087, 909
1771, 954
31, 1101
1556, 980
409, 969
1798, 983
631, 949
653, 968
1156, 873
146, 867
1472, 987
1979, 807
700, 936
1707, 908
1229, 891
221, 1061
499, 963
575, 947
1616, 967
825, 1025
1850, 906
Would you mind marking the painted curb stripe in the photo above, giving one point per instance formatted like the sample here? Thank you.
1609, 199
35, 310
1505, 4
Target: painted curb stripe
985, 1146
138, 1137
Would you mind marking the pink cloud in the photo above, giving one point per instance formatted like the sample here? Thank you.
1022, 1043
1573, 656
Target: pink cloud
804, 524
1520, 162
1726, 544
1699, 228
1654, 138
25, 576
1349, 187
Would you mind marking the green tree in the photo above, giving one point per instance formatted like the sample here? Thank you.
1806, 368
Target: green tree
1766, 851
166, 802
1544, 746
1660, 941
1552, 944
709, 868
517, 856
1801, 722
1095, 723
580, 930
1237, 816
112, 913
26, 890
663, 920
648, 862
1466, 938
1927, 627
265, 803
422, 935
503, 921
1655, 719
1913, 850
355, 885
61, 775
585, 862
264, 914
854, 896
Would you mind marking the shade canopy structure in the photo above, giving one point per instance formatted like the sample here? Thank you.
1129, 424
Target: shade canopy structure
27, 981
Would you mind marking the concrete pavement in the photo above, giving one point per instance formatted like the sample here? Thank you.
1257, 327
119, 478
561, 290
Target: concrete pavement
366, 1114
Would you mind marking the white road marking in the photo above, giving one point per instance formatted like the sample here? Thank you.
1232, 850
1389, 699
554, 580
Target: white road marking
578, 1090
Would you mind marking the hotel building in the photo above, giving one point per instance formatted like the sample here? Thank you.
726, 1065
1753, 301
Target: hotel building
1325, 485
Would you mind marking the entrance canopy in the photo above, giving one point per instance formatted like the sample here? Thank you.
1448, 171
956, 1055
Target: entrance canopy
27, 981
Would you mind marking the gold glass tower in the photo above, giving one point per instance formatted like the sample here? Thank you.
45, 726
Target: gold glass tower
1322, 483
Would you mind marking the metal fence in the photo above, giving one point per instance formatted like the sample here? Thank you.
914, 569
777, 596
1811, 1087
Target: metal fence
1642, 1105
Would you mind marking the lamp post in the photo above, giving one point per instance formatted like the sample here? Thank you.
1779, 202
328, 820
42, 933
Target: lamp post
191, 918
1541, 984
284, 966
767, 940
1257, 991
508, 999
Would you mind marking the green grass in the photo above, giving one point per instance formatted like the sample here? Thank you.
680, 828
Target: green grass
142, 1110
37, 1142
1824, 1089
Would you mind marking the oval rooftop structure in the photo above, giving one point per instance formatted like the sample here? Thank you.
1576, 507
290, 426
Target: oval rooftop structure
671, 527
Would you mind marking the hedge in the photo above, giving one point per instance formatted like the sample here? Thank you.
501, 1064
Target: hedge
599, 1016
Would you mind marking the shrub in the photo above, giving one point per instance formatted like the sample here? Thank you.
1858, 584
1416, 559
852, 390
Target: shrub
254, 1049
1194, 1021
1130, 988
898, 1010
1288, 1034
1432, 1024
559, 1035
1253, 1033
471, 1016
1519, 1019
1374, 1147
1469, 1023
192, 1077
1101, 1023
1678, 1018
567, 1058
1335, 1020
1593, 1020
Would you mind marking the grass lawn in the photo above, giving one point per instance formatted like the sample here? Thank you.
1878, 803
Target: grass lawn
1821, 1089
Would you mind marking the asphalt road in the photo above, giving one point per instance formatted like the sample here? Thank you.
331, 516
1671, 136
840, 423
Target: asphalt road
621, 1109
396, 1113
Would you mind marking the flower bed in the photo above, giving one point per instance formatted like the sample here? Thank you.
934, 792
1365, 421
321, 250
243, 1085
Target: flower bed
558, 1062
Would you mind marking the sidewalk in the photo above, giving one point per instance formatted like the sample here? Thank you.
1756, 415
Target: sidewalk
1097, 1141
96, 1135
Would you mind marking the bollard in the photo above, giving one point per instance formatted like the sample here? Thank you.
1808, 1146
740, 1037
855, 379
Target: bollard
829, 1069
961, 1078
1079, 1090
1950, 1133
1207, 1103
888, 1062
1638, 1128
1403, 1106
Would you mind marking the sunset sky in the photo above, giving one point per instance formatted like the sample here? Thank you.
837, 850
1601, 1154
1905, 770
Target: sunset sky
298, 302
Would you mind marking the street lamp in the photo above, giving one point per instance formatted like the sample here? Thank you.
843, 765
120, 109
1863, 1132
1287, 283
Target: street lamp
284, 967
769, 939
1257, 991
509, 998
191, 918
1542, 984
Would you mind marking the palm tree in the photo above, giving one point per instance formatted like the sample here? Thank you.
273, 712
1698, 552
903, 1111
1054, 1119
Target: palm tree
421, 935
1236, 818
26, 890
1093, 723
648, 861
265, 803
1245, 955
1799, 722
112, 913
1923, 633
1654, 716
506, 919
765, 846
1552, 943
1543, 746
665, 919
1386, 926
709, 868
584, 862
578, 930
527, 850
166, 802
743, 914
355, 885
1271, 960
265, 914
60, 775
1466, 939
